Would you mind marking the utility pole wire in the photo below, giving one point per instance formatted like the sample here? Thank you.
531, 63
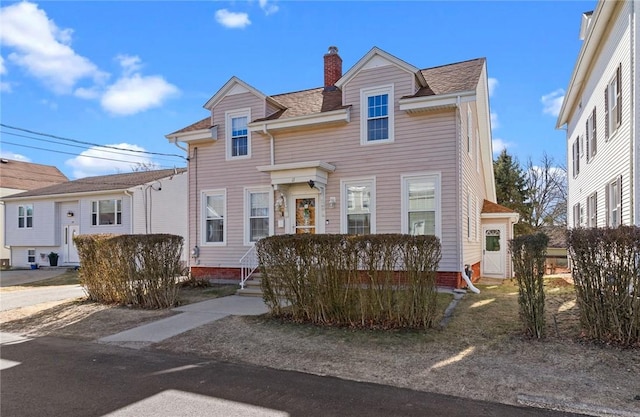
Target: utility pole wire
86, 143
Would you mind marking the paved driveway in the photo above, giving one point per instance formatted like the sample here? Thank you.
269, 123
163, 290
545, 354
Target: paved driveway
25, 276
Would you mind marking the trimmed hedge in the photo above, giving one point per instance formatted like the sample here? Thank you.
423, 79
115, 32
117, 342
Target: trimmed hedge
528, 254
375, 281
606, 273
136, 270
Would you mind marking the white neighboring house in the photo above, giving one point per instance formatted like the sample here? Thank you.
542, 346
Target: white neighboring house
601, 117
46, 219
17, 177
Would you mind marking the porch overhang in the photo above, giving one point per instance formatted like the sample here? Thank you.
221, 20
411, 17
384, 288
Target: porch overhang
513, 217
299, 172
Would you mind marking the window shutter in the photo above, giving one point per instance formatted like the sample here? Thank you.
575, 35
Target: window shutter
619, 202
586, 138
606, 112
619, 94
607, 205
594, 145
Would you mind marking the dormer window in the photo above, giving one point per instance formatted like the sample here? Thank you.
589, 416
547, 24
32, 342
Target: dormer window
238, 137
376, 115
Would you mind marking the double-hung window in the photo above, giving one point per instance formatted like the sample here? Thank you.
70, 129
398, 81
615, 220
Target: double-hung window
613, 103
257, 225
614, 202
106, 212
358, 215
238, 135
592, 210
31, 256
591, 143
214, 203
421, 204
576, 215
25, 216
575, 157
377, 114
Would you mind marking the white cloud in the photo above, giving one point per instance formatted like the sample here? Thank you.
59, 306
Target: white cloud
232, 20
43, 49
493, 84
135, 93
498, 145
494, 121
5, 87
130, 64
3, 69
268, 8
4, 154
88, 163
552, 102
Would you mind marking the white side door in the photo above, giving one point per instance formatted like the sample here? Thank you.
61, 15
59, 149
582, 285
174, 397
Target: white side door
69, 247
494, 250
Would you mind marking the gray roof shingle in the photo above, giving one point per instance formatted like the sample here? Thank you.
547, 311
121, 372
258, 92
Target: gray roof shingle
114, 182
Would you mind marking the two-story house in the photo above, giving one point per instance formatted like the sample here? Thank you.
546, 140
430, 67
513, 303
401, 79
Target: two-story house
47, 219
16, 177
385, 147
600, 115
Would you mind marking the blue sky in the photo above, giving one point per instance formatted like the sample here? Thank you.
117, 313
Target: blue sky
126, 73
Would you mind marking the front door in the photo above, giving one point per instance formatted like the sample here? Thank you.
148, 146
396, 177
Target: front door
306, 215
70, 249
493, 250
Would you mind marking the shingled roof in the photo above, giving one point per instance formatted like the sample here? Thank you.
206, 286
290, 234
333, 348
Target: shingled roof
20, 175
114, 182
444, 79
490, 207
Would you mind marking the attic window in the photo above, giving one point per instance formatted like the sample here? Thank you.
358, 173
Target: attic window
376, 115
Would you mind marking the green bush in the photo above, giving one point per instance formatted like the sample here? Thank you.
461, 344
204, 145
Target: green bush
528, 254
137, 270
606, 274
377, 281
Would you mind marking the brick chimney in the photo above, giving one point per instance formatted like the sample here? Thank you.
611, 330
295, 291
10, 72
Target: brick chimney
332, 68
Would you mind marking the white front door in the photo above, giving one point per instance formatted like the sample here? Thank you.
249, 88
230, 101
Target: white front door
494, 250
70, 249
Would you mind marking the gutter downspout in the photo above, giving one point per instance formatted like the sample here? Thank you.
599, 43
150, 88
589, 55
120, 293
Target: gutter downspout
131, 202
467, 279
187, 243
272, 144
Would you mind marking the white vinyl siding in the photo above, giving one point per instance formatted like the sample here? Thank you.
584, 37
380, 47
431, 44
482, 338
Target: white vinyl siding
377, 115
214, 214
238, 137
25, 216
358, 213
421, 204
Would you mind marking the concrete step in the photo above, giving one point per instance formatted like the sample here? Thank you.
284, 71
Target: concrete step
250, 292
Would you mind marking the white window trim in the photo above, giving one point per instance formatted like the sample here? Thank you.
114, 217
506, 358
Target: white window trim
26, 216
592, 210
247, 211
404, 204
203, 217
371, 181
365, 93
35, 259
469, 132
612, 111
576, 215
228, 116
115, 212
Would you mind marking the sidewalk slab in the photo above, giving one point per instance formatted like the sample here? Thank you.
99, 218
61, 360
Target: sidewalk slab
234, 305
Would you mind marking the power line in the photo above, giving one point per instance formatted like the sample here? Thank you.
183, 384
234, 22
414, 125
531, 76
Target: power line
123, 152
87, 143
68, 153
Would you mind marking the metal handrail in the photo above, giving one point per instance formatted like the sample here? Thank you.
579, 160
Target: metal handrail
248, 265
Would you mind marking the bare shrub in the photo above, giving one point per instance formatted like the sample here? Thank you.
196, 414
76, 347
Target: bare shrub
136, 270
606, 273
528, 254
378, 281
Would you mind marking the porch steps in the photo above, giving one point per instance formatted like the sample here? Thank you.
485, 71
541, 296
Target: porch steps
251, 287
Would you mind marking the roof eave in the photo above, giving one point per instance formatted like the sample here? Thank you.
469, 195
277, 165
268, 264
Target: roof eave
602, 14
339, 116
436, 102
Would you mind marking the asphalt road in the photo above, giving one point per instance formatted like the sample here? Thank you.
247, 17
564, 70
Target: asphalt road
24, 276
62, 377
32, 296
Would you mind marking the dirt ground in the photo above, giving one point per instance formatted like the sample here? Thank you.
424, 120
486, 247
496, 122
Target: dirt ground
480, 354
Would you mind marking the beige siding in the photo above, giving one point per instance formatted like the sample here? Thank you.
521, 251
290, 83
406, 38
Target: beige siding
613, 156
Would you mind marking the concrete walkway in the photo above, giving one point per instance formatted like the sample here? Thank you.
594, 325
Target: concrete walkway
189, 317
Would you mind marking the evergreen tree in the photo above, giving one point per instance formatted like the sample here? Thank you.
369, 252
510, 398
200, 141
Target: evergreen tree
511, 189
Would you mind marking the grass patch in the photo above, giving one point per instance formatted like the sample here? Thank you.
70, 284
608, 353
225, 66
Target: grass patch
69, 277
189, 295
